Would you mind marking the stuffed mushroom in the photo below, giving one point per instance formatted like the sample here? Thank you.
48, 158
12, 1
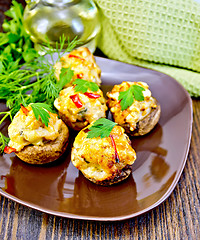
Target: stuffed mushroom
133, 107
34, 142
78, 109
106, 160
82, 62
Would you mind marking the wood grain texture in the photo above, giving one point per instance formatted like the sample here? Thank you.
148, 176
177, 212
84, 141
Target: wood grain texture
176, 218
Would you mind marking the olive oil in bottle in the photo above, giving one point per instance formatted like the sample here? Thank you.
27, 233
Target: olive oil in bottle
52, 19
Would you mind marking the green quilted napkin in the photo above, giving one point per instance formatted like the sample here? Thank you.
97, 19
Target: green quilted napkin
161, 35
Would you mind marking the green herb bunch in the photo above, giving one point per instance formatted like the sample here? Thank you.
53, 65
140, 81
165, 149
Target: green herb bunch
16, 46
35, 81
25, 76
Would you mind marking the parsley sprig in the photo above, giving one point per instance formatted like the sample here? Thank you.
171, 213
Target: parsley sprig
127, 97
83, 86
65, 76
41, 110
101, 128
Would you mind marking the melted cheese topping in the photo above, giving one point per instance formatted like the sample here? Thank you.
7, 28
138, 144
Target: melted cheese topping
83, 65
137, 111
25, 130
91, 110
95, 157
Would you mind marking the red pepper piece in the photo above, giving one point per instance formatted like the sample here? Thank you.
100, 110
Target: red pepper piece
92, 95
76, 100
9, 149
114, 145
80, 75
74, 56
86, 130
24, 110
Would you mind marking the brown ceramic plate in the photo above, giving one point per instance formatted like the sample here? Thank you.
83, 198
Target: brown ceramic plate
60, 189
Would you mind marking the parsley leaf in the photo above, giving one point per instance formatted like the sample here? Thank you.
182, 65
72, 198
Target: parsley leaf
65, 77
127, 97
29, 54
41, 110
137, 92
83, 86
101, 128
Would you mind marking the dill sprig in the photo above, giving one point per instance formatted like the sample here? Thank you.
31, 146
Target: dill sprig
3, 139
3, 142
